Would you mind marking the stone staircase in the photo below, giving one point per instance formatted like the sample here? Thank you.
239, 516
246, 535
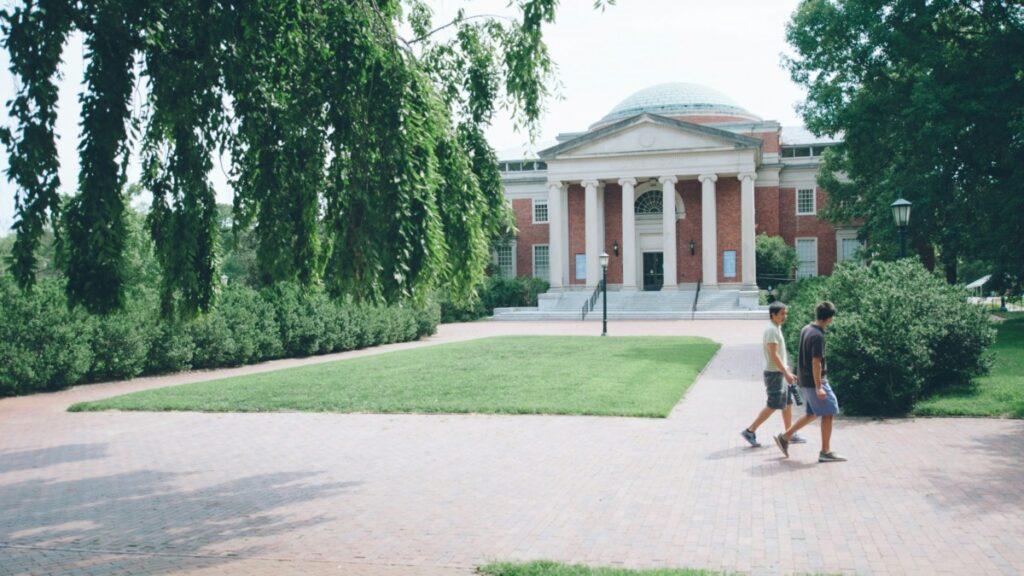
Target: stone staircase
635, 305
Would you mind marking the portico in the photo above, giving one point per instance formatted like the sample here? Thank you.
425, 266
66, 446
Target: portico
641, 160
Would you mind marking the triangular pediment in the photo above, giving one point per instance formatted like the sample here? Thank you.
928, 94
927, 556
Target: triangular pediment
649, 133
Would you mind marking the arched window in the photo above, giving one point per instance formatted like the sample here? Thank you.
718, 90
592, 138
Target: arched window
649, 203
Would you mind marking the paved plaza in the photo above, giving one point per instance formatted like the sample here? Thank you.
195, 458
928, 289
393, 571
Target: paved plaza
386, 495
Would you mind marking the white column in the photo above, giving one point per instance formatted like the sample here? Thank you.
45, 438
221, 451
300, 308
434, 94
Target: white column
668, 233
709, 229
747, 246
628, 233
556, 252
590, 223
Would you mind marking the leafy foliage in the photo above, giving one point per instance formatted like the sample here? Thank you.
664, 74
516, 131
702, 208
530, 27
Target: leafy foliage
929, 98
900, 335
494, 292
45, 345
776, 261
358, 156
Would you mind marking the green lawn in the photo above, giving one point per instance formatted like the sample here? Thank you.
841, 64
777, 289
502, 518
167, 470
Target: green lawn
613, 376
999, 394
545, 568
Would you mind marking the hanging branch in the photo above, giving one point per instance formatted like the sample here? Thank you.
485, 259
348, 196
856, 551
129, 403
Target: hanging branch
34, 38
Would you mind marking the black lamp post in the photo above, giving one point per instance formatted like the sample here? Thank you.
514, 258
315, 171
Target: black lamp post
604, 292
901, 214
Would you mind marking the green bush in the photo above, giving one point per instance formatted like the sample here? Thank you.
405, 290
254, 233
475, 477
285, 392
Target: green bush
120, 344
300, 327
43, 345
495, 292
171, 347
214, 344
776, 261
253, 325
428, 316
900, 334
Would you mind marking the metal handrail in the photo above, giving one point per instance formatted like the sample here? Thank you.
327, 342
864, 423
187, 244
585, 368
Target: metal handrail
696, 297
588, 306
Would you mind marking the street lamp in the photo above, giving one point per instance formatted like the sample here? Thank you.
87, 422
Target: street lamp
604, 292
901, 214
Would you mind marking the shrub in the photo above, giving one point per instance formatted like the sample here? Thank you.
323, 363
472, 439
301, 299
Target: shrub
495, 292
300, 328
776, 261
171, 347
46, 346
428, 316
252, 324
900, 334
120, 344
43, 345
213, 342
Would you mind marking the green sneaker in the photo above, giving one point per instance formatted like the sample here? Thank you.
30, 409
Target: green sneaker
830, 457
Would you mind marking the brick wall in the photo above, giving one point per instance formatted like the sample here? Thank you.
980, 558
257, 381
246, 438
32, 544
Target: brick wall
711, 119
689, 267
766, 210
613, 230
529, 234
728, 211
577, 229
792, 227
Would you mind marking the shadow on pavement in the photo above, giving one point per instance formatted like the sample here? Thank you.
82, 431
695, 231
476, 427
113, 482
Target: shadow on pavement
44, 457
995, 487
145, 521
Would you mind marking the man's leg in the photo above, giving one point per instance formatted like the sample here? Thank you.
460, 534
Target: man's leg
787, 416
803, 421
765, 413
826, 433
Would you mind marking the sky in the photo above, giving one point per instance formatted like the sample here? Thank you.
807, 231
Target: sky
733, 46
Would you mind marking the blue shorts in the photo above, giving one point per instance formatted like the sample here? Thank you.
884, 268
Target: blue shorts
816, 407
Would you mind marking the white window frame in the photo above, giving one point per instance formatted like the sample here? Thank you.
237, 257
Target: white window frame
842, 235
535, 275
796, 245
814, 201
497, 262
547, 215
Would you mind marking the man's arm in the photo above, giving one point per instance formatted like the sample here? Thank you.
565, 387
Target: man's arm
816, 370
773, 353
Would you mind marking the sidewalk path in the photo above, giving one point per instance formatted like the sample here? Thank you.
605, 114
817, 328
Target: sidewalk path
388, 495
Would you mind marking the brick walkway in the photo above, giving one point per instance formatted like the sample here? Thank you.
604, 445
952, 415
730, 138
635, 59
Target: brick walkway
388, 495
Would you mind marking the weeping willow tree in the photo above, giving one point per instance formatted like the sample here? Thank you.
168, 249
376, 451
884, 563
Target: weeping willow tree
355, 128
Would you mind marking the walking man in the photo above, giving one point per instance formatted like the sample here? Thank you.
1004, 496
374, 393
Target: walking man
776, 369
812, 374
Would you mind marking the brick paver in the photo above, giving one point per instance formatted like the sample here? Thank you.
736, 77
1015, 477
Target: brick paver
383, 495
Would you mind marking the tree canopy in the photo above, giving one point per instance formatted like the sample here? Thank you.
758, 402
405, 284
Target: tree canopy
929, 99
355, 128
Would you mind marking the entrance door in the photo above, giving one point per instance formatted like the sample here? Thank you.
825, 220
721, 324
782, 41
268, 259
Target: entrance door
654, 270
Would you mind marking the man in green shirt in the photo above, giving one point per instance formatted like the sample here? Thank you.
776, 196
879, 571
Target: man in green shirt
776, 369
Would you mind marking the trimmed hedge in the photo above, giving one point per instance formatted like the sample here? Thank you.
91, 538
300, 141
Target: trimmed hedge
495, 292
900, 335
46, 346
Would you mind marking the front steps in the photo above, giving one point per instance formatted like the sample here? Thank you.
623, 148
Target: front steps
639, 305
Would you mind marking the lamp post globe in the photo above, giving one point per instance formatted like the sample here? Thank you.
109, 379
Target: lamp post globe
901, 216
604, 293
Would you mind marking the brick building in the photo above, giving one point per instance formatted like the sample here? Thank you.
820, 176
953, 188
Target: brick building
699, 177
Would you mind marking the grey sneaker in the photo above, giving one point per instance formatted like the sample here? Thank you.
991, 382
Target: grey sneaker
783, 444
830, 457
750, 437
797, 439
